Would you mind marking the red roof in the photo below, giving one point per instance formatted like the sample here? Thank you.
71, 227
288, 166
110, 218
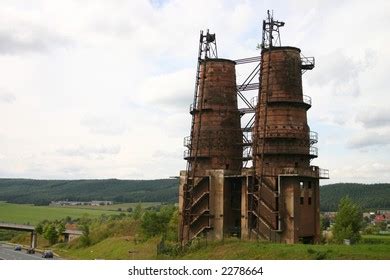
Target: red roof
379, 218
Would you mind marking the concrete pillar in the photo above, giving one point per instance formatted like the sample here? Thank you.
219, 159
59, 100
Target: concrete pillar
217, 203
183, 234
244, 209
33, 239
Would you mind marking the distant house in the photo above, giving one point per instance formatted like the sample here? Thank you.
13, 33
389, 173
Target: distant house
75, 203
99, 202
330, 215
367, 215
379, 218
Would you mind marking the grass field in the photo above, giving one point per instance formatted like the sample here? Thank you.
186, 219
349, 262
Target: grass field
376, 239
30, 214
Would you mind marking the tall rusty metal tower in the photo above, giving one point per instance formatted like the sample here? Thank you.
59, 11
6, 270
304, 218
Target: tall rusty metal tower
284, 196
277, 196
214, 145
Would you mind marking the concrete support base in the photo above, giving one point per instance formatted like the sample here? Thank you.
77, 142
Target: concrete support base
33, 239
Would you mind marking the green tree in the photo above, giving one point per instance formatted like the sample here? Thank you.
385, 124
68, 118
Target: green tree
137, 213
156, 223
39, 228
60, 228
50, 233
85, 239
382, 226
348, 221
173, 225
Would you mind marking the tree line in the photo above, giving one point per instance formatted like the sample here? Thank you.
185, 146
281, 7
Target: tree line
42, 192
367, 196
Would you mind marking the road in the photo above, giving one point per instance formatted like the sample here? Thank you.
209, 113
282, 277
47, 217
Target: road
7, 252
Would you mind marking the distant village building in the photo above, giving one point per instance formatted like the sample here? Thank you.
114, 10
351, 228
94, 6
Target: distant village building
75, 203
382, 218
99, 202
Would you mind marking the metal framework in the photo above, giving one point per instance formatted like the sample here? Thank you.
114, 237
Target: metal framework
271, 34
250, 107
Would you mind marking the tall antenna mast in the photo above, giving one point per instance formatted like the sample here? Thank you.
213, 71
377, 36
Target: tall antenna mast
271, 35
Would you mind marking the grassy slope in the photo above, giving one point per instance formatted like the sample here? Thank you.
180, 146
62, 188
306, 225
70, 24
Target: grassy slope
25, 213
268, 251
118, 248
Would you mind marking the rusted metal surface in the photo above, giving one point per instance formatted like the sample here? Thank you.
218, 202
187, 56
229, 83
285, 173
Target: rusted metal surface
217, 133
287, 134
278, 197
213, 150
284, 147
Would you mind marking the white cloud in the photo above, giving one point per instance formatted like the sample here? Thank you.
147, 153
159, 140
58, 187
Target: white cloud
7, 97
88, 152
369, 139
374, 117
112, 80
106, 125
170, 90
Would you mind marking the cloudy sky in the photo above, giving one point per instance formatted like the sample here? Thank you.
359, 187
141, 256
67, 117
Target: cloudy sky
101, 89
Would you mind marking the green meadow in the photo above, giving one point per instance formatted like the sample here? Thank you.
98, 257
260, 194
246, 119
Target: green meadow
30, 214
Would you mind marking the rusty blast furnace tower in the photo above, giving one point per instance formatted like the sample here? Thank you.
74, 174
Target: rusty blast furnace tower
277, 197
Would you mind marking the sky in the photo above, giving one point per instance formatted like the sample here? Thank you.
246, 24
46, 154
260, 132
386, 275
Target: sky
101, 89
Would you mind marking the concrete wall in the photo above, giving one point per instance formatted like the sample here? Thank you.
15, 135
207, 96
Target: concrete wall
300, 220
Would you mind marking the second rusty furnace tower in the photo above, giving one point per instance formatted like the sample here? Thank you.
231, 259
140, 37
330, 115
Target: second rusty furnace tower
253, 178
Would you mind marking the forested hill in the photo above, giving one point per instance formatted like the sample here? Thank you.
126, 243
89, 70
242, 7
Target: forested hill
370, 196
41, 192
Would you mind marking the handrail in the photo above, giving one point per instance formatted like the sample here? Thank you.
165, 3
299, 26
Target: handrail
290, 149
254, 101
192, 108
201, 228
323, 173
199, 198
247, 87
187, 154
293, 132
187, 141
247, 60
305, 99
313, 136
247, 153
307, 63
246, 110
313, 151
197, 216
